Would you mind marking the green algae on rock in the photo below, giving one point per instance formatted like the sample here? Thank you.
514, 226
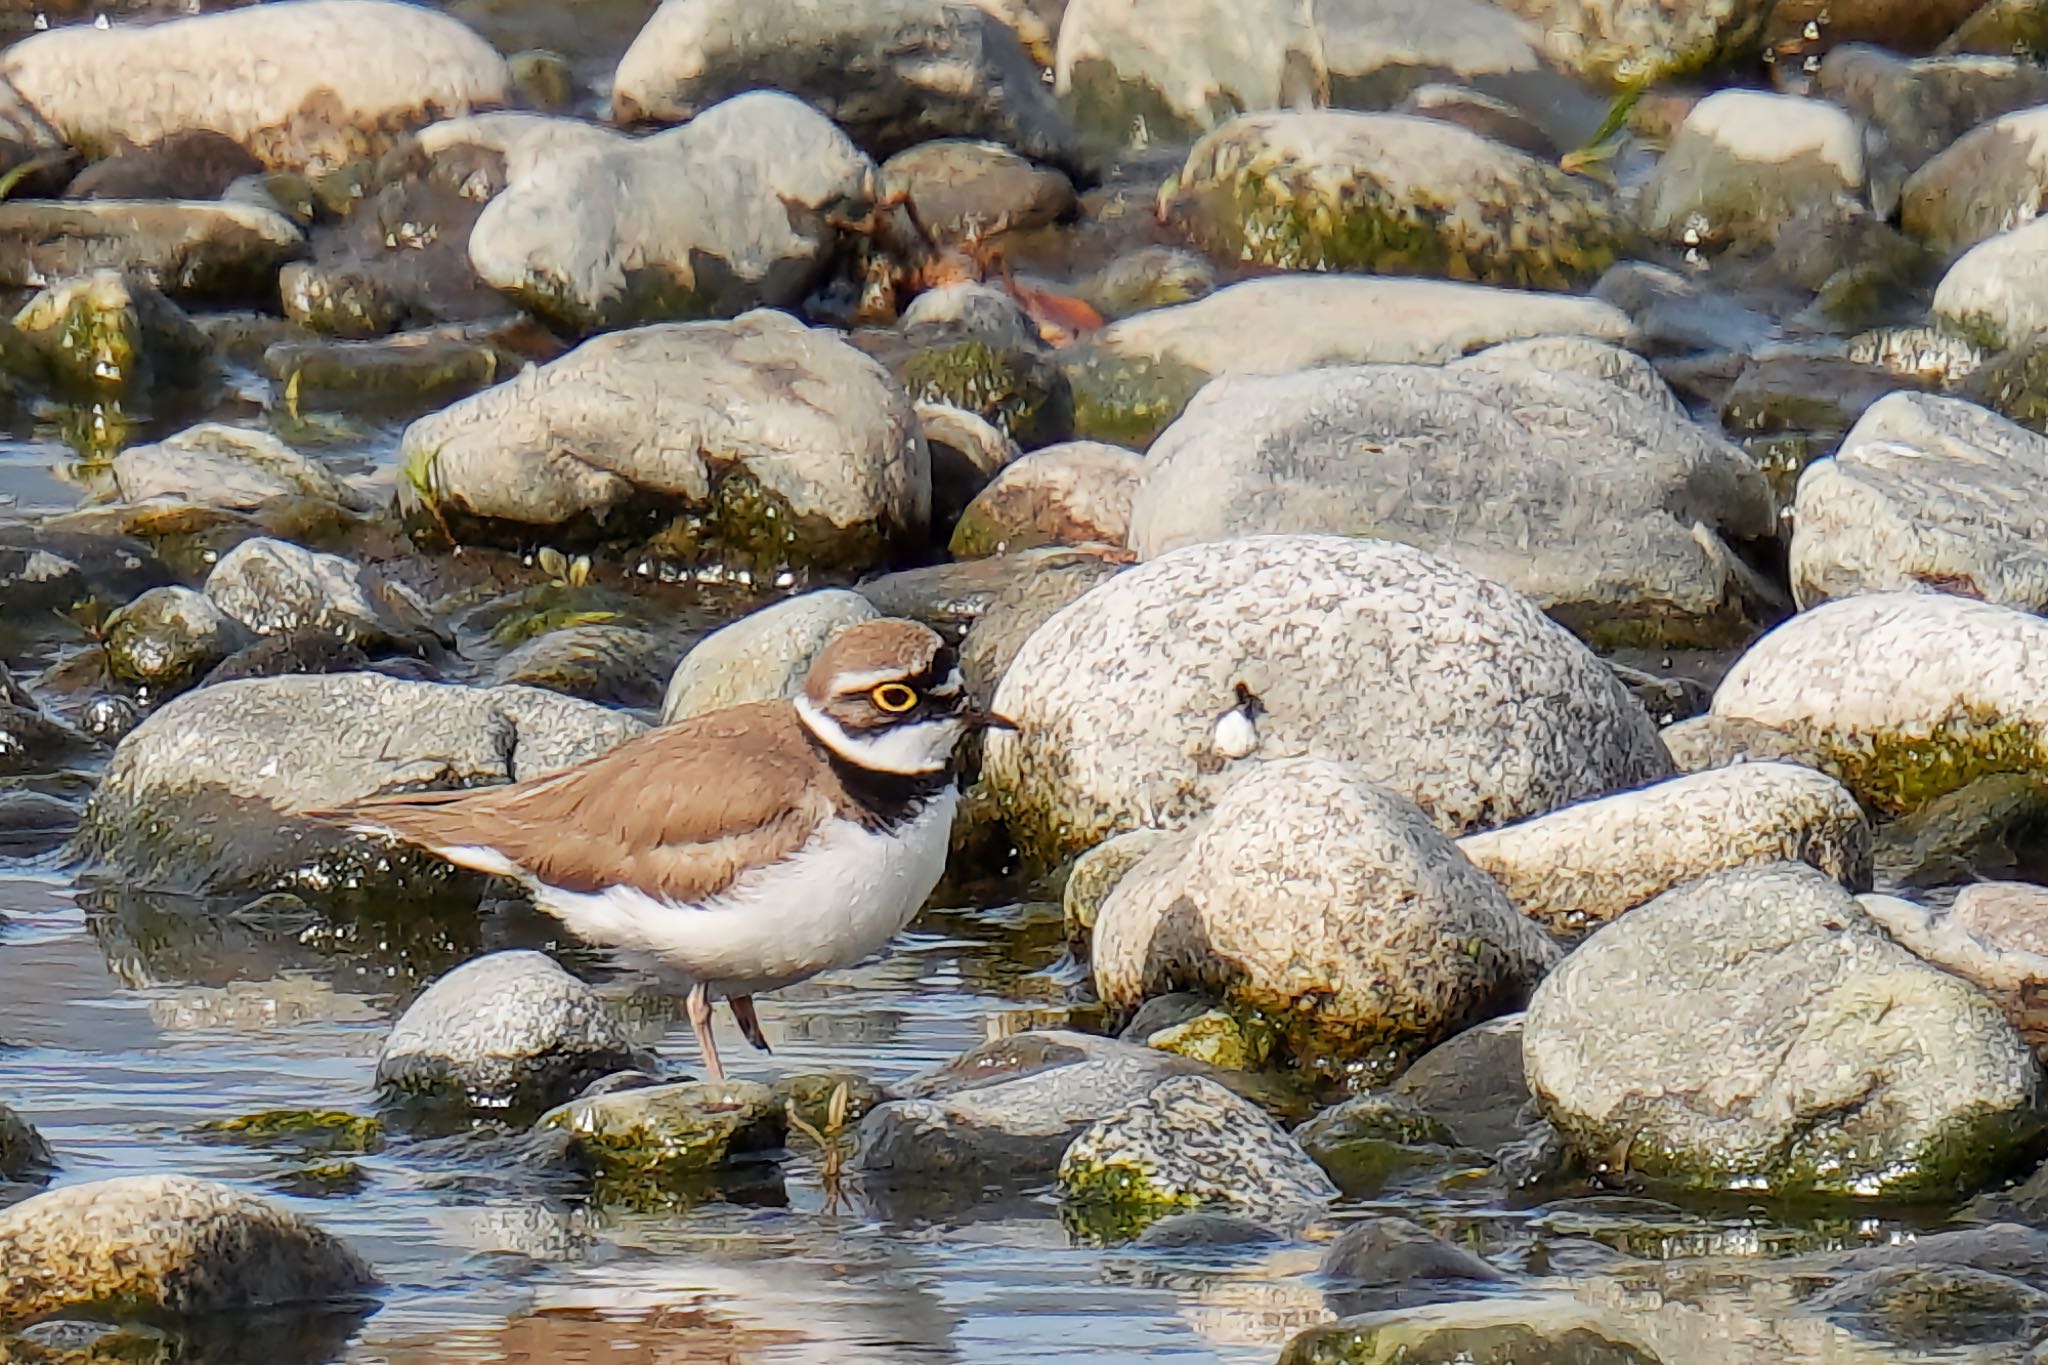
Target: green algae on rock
671, 1132
1125, 400
305, 1130
1022, 392
1393, 194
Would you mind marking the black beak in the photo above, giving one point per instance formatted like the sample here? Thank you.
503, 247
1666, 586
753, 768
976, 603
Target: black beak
986, 720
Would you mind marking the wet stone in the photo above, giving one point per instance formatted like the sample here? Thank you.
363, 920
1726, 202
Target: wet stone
1369, 1141
1966, 833
1496, 1331
654, 1135
1019, 390
614, 665
215, 465
1472, 1084
105, 333
507, 1031
1381, 1263
44, 571
168, 638
23, 1153
962, 190
1206, 1230
189, 250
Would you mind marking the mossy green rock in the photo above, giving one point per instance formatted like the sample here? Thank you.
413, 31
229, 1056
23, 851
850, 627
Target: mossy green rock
668, 1131
1222, 1038
1368, 1139
306, 1130
1391, 194
1021, 392
1627, 43
1126, 400
107, 333
1508, 1331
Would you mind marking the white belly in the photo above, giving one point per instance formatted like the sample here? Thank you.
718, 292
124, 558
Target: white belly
830, 904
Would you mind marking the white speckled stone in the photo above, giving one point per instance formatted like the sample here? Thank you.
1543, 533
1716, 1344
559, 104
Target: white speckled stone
1574, 869
170, 1243
1448, 688
1926, 490
1328, 903
1908, 694
762, 656
1756, 1029
274, 587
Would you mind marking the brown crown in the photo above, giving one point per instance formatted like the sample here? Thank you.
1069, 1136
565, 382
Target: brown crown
872, 649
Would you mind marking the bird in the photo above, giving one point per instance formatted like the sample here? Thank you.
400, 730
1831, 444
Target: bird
1237, 731
745, 849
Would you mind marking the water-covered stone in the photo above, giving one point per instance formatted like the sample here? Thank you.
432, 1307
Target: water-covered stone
1988, 181
1607, 507
1187, 1143
31, 739
1370, 1139
1380, 1261
764, 655
893, 73
189, 250
1757, 1029
1077, 493
509, 1030
1745, 163
1331, 906
169, 638
1907, 695
1359, 651
23, 1153
1623, 43
1331, 190
1577, 868
206, 793
275, 587
632, 1139
169, 1244
757, 442
963, 190
732, 211
44, 571
108, 334
308, 83
216, 465
1926, 491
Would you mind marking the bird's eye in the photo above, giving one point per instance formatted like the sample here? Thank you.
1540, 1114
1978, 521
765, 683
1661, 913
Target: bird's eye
895, 698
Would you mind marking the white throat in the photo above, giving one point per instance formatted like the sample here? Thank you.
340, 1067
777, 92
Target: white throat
917, 750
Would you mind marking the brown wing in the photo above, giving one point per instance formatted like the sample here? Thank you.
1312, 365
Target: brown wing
677, 811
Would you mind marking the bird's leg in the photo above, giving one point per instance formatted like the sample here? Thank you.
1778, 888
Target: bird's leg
698, 1005
750, 1023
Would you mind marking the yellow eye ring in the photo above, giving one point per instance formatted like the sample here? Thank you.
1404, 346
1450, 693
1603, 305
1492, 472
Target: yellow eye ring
895, 698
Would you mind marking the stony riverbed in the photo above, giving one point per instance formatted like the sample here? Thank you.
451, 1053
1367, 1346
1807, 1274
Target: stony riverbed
1604, 440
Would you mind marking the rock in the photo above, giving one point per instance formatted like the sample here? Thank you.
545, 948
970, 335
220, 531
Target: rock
1757, 1030
1671, 312
1329, 905
314, 84
1472, 1084
1923, 106
764, 655
1205, 1230
298, 651
1988, 181
205, 794
189, 250
194, 163
104, 334
1605, 507
893, 73
1333, 191
403, 374
215, 465
1995, 935
1346, 643
967, 452
1805, 28
1148, 277
1095, 874
950, 597
1226, 1039
1189, 1143
2003, 27
1369, 1139
1908, 695
1577, 868
1273, 326
732, 211
1494, 120
649, 1137
1008, 619
1965, 833
1078, 493
1926, 491
1745, 163
1517, 1328
169, 638
23, 1153
32, 740
1007, 1112
505, 1031
613, 665
1708, 741
168, 1243
1015, 388
1997, 294
44, 571
1378, 53
274, 588
964, 310
754, 442
964, 190
1936, 1306
1623, 44
1381, 1261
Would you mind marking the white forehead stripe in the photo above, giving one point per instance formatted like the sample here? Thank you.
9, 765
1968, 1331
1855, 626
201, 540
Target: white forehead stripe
861, 682
910, 750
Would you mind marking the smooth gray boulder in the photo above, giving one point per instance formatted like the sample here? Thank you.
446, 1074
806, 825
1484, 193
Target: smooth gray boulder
302, 84
1575, 869
1746, 163
1906, 695
893, 73
1191, 1143
274, 587
1448, 688
1608, 508
1330, 906
757, 443
505, 1031
1988, 181
166, 1244
1995, 935
1926, 491
1997, 292
216, 465
1335, 190
1757, 1030
1922, 106
734, 210
764, 655
205, 794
